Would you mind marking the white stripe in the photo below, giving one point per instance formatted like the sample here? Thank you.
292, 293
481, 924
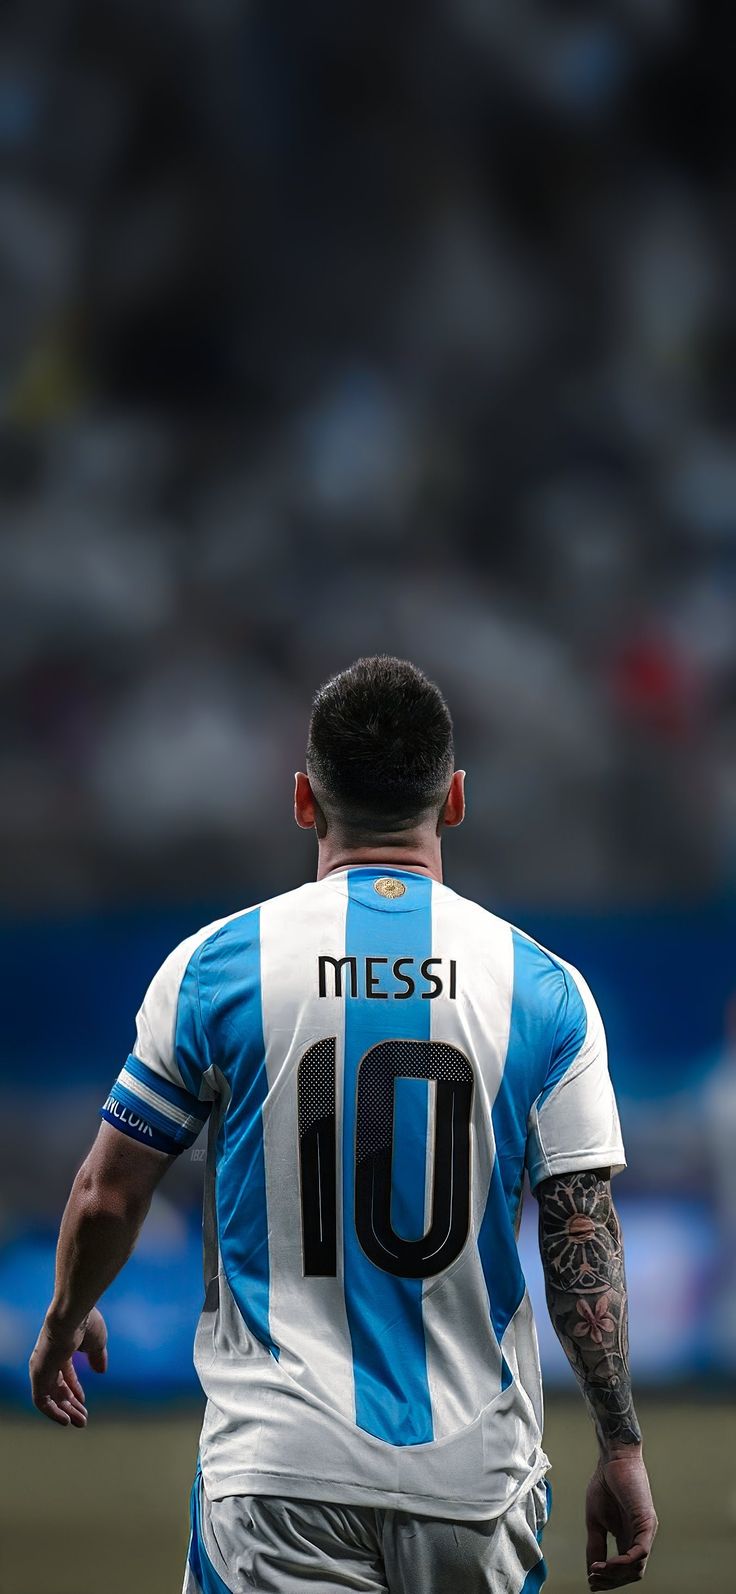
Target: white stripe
152, 1098
463, 1358
307, 1315
155, 1041
520, 1347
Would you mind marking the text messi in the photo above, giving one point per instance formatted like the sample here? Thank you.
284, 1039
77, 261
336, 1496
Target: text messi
382, 978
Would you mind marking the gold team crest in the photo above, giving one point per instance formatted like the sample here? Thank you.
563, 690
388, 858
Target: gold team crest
388, 887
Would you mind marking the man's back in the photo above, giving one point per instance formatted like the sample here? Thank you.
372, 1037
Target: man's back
384, 1059
380, 1061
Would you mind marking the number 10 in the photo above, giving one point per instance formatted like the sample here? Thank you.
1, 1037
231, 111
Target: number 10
374, 1131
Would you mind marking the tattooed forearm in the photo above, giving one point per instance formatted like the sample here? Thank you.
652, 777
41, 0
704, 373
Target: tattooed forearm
582, 1256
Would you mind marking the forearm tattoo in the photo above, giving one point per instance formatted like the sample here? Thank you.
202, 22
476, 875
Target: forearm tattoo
583, 1260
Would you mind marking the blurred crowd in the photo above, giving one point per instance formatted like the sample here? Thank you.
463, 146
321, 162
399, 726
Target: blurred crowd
328, 330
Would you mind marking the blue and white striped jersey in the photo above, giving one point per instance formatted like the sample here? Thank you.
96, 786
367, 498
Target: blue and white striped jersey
380, 1061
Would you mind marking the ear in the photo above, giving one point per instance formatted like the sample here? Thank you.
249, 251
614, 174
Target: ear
305, 807
453, 811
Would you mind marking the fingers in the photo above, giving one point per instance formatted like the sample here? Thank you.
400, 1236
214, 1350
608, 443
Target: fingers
58, 1398
620, 1569
61, 1407
97, 1358
55, 1384
77, 1414
596, 1548
69, 1401
72, 1378
94, 1343
49, 1408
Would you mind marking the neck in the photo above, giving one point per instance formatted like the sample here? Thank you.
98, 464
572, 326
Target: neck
420, 853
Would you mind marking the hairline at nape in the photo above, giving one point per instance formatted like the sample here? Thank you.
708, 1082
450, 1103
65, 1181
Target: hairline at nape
352, 820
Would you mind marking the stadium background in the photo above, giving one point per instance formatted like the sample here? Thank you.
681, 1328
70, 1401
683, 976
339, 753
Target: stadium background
325, 330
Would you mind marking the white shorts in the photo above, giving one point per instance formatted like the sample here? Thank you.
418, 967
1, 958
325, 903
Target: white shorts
279, 1546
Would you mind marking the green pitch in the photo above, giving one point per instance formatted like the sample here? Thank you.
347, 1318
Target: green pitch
106, 1509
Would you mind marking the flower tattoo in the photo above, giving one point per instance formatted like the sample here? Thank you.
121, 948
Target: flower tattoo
596, 1320
582, 1256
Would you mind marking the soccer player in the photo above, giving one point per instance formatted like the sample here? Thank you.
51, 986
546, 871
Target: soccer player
380, 1061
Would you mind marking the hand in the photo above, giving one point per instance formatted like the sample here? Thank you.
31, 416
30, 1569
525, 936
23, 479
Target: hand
619, 1501
55, 1385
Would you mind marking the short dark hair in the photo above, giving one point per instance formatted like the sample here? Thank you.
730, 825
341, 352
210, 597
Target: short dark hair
380, 750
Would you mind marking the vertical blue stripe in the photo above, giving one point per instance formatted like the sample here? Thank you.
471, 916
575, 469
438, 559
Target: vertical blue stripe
535, 1009
538, 993
190, 1040
207, 1577
231, 967
500, 1263
193, 1556
535, 1579
392, 1398
538, 1574
571, 1032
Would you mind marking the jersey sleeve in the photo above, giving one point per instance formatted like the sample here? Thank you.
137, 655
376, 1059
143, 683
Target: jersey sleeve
574, 1122
162, 1095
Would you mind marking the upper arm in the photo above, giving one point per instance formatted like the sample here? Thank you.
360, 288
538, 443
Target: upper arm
579, 1233
125, 1166
162, 1096
573, 1124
